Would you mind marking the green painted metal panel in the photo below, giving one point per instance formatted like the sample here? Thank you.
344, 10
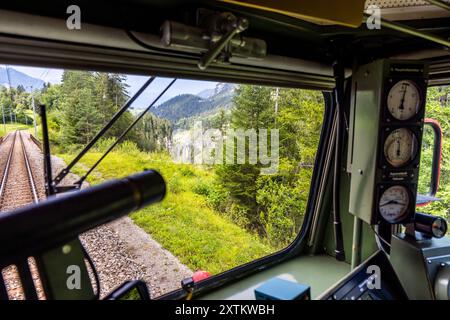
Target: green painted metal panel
369, 245
320, 272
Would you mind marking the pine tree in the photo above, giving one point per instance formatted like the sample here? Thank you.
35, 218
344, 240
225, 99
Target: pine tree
253, 110
88, 101
283, 197
81, 119
110, 96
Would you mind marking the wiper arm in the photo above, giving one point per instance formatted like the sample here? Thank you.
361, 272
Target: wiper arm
113, 120
120, 138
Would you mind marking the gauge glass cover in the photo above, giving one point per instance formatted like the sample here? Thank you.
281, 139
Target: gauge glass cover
394, 203
400, 147
404, 100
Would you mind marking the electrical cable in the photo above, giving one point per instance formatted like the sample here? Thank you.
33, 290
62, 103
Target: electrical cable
380, 240
94, 270
147, 46
189, 295
339, 101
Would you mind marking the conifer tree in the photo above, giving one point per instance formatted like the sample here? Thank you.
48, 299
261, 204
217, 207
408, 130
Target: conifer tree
253, 110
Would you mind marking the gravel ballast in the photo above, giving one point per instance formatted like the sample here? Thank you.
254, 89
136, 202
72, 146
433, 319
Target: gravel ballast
123, 251
120, 250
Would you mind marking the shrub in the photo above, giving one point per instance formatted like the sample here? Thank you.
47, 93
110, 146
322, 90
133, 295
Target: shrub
281, 211
129, 147
217, 198
187, 172
103, 144
174, 184
201, 188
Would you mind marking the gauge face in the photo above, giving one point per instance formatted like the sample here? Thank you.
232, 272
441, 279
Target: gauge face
404, 100
394, 203
400, 147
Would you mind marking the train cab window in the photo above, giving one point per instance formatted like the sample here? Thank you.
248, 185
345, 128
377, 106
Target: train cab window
237, 159
434, 167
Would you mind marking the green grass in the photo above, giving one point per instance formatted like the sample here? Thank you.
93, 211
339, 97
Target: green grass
8, 127
183, 223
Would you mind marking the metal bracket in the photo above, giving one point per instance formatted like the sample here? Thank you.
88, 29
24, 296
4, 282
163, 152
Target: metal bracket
232, 26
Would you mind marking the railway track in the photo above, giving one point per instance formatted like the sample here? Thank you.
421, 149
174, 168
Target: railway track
17, 187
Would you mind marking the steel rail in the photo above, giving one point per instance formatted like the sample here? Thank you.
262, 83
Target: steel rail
36, 141
29, 171
8, 164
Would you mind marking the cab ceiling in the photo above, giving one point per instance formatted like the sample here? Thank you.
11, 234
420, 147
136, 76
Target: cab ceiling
401, 10
286, 37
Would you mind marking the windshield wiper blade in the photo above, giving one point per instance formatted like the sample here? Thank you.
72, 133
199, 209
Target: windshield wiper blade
120, 138
113, 120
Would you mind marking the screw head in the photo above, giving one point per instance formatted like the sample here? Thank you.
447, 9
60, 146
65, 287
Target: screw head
66, 249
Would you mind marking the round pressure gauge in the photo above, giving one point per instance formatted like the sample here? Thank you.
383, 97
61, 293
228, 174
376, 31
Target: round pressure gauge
400, 147
394, 203
404, 100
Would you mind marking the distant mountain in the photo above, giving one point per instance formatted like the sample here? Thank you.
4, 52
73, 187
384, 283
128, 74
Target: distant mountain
188, 105
17, 78
207, 93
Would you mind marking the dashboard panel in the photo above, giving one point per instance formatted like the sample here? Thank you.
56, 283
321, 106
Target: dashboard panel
373, 280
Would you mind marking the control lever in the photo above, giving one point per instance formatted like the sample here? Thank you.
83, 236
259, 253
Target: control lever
236, 26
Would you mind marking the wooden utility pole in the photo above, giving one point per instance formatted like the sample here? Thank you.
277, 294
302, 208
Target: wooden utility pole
34, 112
4, 124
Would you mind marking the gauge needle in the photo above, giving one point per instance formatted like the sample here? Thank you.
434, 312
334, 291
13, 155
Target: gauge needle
402, 101
398, 148
392, 202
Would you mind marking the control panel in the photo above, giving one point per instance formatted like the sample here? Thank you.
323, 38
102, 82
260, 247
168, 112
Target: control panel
372, 280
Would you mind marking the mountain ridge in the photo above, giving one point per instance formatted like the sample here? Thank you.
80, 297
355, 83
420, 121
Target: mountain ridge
189, 105
9, 75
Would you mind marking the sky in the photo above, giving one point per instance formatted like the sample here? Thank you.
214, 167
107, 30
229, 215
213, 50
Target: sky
135, 82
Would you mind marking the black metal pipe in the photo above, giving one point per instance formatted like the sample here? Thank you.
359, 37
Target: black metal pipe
429, 225
53, 222
49, 190
339, 73
66, 170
